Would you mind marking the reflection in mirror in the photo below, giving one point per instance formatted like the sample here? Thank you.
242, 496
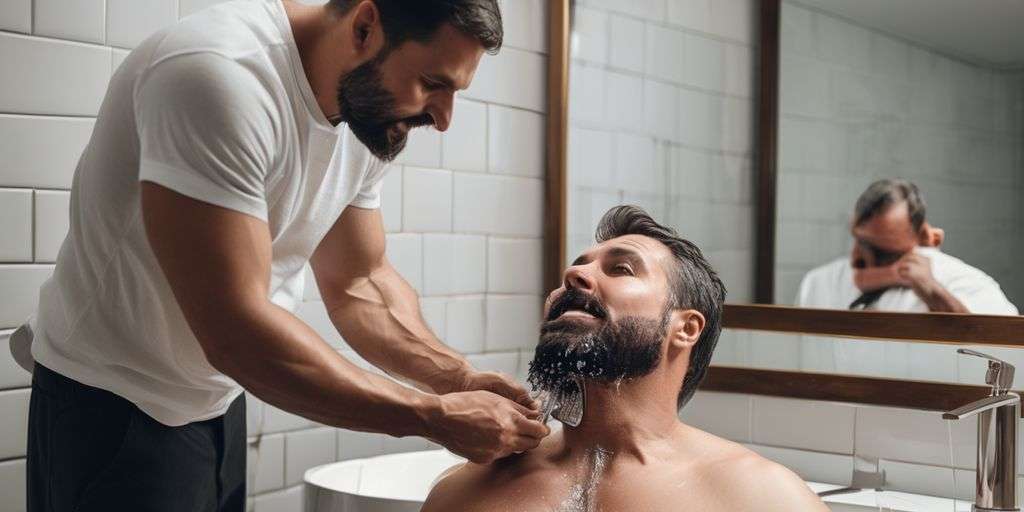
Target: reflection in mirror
662, 116
900, 156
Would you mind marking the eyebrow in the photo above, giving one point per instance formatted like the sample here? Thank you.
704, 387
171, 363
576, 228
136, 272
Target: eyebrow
631, 255
443, 80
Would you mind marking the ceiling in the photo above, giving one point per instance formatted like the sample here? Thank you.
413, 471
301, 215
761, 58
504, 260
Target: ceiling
984, 32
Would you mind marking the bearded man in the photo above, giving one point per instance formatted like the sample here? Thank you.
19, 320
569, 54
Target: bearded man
635, 323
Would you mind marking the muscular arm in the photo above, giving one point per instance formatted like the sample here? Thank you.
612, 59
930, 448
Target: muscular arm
375, 310
217, 262
755, 483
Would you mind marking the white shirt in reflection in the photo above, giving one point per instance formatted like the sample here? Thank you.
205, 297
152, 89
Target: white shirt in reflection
830, 286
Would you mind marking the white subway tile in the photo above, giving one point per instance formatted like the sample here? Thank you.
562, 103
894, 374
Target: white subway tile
513, 322
918, 479
590, 35
426, 200
664, 53
791, 423
625, 51
51, 222
12, 484
41, 151
129, 22
740, 69
405, 252
625, 106
523, 370
11, 374
498, 205
16, 225
722, 414
695, 14
358, 445
465, 142
404, 444
735, 19
700, 119
703, 62
511, 78
391, 199
902, 435
13, 422
269, 462
660, 110
16, 15
433, 310
186, 7
515, 142
525, 24
276, 420
307, 449
501, 362
314, 314
20, 284
465, 322
37, 72
811, 466
253, 415
81, 20
587, 90
514, 265
288, 500
422, 149
454, 264
635, 163
652, 10
590, 158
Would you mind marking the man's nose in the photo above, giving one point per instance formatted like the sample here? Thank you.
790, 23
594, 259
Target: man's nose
577, 277
441, 110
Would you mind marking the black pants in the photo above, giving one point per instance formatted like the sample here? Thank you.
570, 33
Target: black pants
91, 450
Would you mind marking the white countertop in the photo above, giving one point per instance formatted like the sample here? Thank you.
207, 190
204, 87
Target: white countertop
893, 501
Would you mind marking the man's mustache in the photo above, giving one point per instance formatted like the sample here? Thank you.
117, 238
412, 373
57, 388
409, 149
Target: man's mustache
573, 299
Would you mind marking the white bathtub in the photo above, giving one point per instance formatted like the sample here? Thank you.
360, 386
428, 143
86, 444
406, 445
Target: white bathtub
400, 483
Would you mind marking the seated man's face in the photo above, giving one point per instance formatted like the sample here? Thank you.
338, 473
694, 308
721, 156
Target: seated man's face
883, 239
608, 320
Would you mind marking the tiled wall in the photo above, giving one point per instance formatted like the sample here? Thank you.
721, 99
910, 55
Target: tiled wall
918, 450
462, 210
857, 105
662, 116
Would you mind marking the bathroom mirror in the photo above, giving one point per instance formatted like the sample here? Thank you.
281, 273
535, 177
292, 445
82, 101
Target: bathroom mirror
679, 107
930, 93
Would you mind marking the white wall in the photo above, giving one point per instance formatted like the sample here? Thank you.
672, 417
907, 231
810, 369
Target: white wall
858, 105
462, 210
662, 116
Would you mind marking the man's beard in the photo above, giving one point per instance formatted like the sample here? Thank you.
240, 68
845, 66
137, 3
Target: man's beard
615, 350
369, 110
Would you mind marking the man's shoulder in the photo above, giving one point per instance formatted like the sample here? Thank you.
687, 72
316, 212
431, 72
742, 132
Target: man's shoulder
752, 482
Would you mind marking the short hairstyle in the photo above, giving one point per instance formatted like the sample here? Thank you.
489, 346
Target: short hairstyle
693, 284
419, 20
882, 194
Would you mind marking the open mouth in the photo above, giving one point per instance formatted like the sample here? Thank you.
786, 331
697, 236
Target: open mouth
575, 305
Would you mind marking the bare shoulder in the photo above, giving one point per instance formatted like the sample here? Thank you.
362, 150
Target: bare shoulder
453, 488
752, 482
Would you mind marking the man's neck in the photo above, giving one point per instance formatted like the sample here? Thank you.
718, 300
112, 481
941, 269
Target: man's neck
311, 28
636, 419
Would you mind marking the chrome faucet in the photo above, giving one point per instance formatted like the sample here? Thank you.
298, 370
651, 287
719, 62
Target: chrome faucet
996, 485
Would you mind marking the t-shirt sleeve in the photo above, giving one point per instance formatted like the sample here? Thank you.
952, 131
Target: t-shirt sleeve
981, 294
206, 130
369, 193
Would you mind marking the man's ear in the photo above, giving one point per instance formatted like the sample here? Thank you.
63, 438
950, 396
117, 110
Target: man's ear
685, 327
931, 236
367, 31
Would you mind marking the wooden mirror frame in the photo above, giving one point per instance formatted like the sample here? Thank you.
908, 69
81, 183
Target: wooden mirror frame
943, 328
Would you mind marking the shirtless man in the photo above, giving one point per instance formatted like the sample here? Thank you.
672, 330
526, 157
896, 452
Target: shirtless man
637, 314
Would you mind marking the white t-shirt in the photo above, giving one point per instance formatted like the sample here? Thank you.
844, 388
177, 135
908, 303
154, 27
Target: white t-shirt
218, 108
831, 286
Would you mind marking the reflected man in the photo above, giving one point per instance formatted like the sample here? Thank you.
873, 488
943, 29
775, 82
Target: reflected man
636, 320
896, 264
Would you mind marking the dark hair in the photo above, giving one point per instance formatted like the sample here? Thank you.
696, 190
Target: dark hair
882, 194
419, 20
694, 284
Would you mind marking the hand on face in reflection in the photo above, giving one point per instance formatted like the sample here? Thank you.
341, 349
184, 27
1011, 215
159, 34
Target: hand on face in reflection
912, 270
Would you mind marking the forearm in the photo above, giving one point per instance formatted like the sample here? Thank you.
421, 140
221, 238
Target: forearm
379, 316
282, 361
939, 300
